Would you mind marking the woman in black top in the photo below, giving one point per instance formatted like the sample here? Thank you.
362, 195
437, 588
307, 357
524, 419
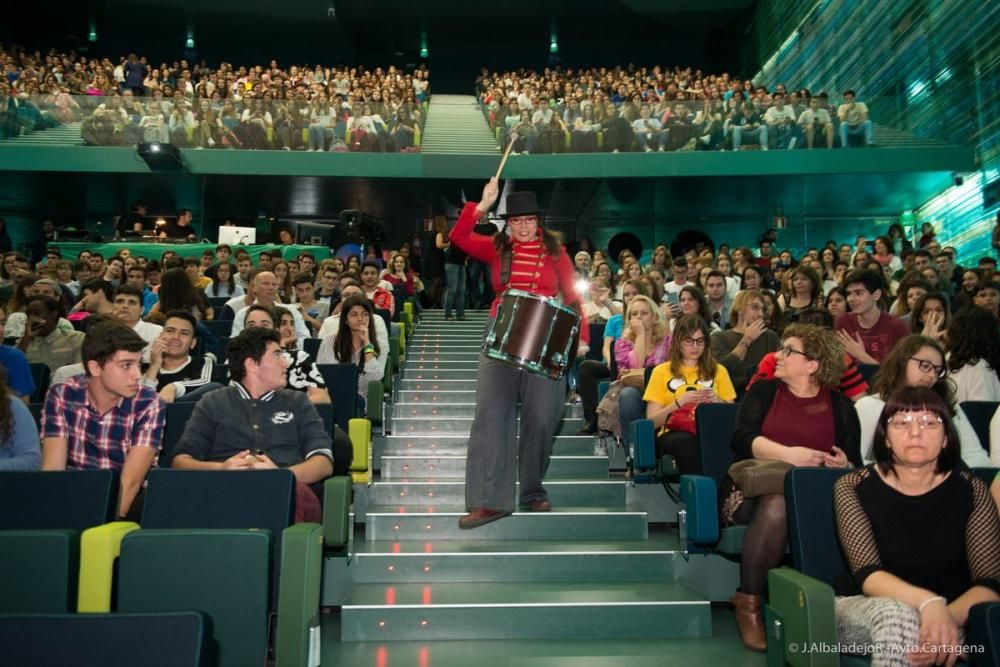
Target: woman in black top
921, 536
454, 271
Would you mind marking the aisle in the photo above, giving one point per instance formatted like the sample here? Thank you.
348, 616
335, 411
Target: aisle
586, 570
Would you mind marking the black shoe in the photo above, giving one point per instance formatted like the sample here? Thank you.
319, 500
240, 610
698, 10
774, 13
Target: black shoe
448, 317
590, 428
461, 318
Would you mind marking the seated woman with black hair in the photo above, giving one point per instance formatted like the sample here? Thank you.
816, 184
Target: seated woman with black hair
356, 342
910, 594
917, 361
974, 355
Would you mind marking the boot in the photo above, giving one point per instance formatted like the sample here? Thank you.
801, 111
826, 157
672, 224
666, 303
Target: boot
750, 621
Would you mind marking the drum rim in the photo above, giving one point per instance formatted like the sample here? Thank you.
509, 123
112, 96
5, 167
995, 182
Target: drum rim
552, 301
525, 364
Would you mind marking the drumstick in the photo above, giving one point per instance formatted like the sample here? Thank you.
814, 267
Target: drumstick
506, 154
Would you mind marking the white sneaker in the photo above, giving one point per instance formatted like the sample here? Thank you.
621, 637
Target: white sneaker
660, 149
600, 447
615, 150
648, 149
211, 142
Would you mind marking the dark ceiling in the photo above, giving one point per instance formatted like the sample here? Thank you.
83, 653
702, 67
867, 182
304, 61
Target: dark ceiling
461, 36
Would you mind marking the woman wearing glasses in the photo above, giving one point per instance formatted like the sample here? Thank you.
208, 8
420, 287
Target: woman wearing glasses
799, 419
689, 377
916, 361
908, 593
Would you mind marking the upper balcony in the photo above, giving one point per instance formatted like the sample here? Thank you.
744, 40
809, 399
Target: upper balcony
452, 138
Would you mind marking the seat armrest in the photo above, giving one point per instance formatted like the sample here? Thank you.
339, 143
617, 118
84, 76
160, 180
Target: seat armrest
800, 614
336, 511
100, 547
299, 595
699, 502
642, 444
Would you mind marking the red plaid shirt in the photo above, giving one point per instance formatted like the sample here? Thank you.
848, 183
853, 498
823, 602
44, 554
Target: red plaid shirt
102, 441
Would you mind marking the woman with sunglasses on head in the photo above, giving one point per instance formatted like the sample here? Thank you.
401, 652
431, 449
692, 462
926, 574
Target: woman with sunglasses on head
921, 537
798, 419
741, 347
916, 361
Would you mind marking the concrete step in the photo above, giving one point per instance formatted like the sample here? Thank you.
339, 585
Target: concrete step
466, 373
568, 493
465, 409
426, 385
444, 355
457, 445
453, 467
562, 523
459, 425
562, 610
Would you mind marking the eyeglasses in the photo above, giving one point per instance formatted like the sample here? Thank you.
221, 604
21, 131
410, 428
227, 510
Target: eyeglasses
927, 367
924, 422
522, 221
281, 355
788, 351
699, 342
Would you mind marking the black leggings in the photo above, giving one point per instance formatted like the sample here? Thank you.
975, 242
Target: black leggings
683, 446
590, 374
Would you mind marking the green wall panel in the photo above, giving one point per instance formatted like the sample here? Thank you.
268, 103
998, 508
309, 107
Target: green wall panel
930, 67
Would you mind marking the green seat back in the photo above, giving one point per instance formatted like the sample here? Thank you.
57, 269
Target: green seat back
74, 499
178, 415
812, 530
714, 424
342, 383
38, 571
223, 574
105, 640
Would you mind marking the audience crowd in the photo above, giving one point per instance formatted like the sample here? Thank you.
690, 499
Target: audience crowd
130, 100
816, 348
661, 109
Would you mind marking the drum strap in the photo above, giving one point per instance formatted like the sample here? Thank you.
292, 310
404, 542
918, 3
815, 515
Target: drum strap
506, 258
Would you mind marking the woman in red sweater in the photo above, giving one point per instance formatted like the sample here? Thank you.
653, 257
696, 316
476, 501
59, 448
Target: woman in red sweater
538, 264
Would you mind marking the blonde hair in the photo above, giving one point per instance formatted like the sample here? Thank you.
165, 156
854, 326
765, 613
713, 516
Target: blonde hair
740, 303
659, 327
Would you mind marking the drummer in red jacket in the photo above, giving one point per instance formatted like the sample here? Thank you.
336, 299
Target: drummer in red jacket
538, 264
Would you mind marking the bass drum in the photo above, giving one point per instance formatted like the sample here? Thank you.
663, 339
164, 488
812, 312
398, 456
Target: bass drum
536, 333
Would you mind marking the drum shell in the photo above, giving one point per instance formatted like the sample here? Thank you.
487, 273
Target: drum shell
535, 333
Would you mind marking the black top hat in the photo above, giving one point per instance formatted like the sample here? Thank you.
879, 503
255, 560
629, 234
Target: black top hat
521, 203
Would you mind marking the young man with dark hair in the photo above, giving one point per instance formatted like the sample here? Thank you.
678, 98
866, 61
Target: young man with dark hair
105, 419
379, 296
192, 267
719, 302
83, 274
128, 308
988, 297
97, 296
179, 228
222, 254
313, 311
172, 371
244, 265
680, 280
136, 277
257, 424
307, 263
43, 341
867, 333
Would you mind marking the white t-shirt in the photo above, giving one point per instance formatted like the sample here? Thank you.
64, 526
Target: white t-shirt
976, 382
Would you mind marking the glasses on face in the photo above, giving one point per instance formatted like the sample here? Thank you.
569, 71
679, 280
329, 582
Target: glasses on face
927, 367
924, 422
281, 356
697, 342
521, 222
788, 351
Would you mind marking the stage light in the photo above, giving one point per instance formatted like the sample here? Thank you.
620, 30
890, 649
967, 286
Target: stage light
92, 35
553, 46
160, 157
190, 43
424, 52
154, 148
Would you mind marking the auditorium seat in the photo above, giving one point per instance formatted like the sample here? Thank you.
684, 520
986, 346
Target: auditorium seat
699, 493
41, 374
980, 413
216, 540
221, 328
179, 639
311, 347
41, 517
800, 607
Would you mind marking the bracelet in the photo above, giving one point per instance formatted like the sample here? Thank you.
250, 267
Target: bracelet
936, 598
368, 348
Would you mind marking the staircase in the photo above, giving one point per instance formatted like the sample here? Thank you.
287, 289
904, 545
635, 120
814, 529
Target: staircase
587, 570
455, 126
61, 135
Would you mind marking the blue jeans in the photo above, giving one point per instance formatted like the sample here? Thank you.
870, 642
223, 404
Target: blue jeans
318, 135
759, 134
455, 294
846, 130
630, 408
